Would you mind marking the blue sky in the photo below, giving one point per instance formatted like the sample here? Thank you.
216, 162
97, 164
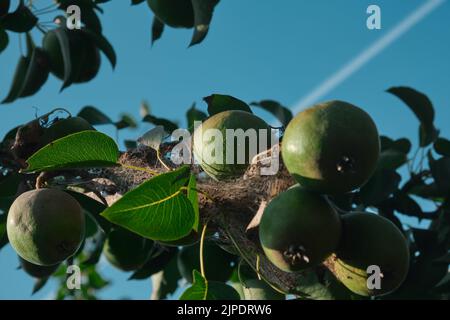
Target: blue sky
256, 49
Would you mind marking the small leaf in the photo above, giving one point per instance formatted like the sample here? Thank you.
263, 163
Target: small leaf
21, 20
157, 209
422, 108
385, 143
94, 116
39, 284
283, 114
218, 103
103, 44
442, 146
193, 115
157, 29
135, 2
37, 73
402, 145
153, 138
86, 149
4, 39
203, 12
155, 264
202, 289
18, 80
168, 125
126, 121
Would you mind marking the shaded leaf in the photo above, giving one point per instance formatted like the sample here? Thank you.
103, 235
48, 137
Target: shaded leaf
126, 121
94, 116
4, 39
135, 2
4, 7
402, 145
86, 149
218, 103
39, 284
21, 20
283, 114
157, 29
385, 142
94, 208
130, 144
442, 146
64, 44
202, 289
103, 44
165, 282
168, 125
37, 73
422, 108
3, 235
155, 264
381, 185
193, 115
391, 159
18, 80
203, 12
407, 205
440, 170
157, 209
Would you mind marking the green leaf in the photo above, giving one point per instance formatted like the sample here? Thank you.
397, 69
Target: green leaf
37, 73
155, 264
18, 80
193, 115
283, 114
86, 149
168, 125
4, 39
203, 12
157, 29
157, 209
422, 108
442, 146
192, 195
103, 44
202, 289
402, 145
94, 116
94, 255
218, 103
165, 282
21, 20
8, 190
385, 142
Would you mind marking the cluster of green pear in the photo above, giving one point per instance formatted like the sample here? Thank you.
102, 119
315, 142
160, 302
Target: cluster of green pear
332, 148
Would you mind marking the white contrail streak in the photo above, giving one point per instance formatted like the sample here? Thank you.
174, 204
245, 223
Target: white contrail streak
367, 54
